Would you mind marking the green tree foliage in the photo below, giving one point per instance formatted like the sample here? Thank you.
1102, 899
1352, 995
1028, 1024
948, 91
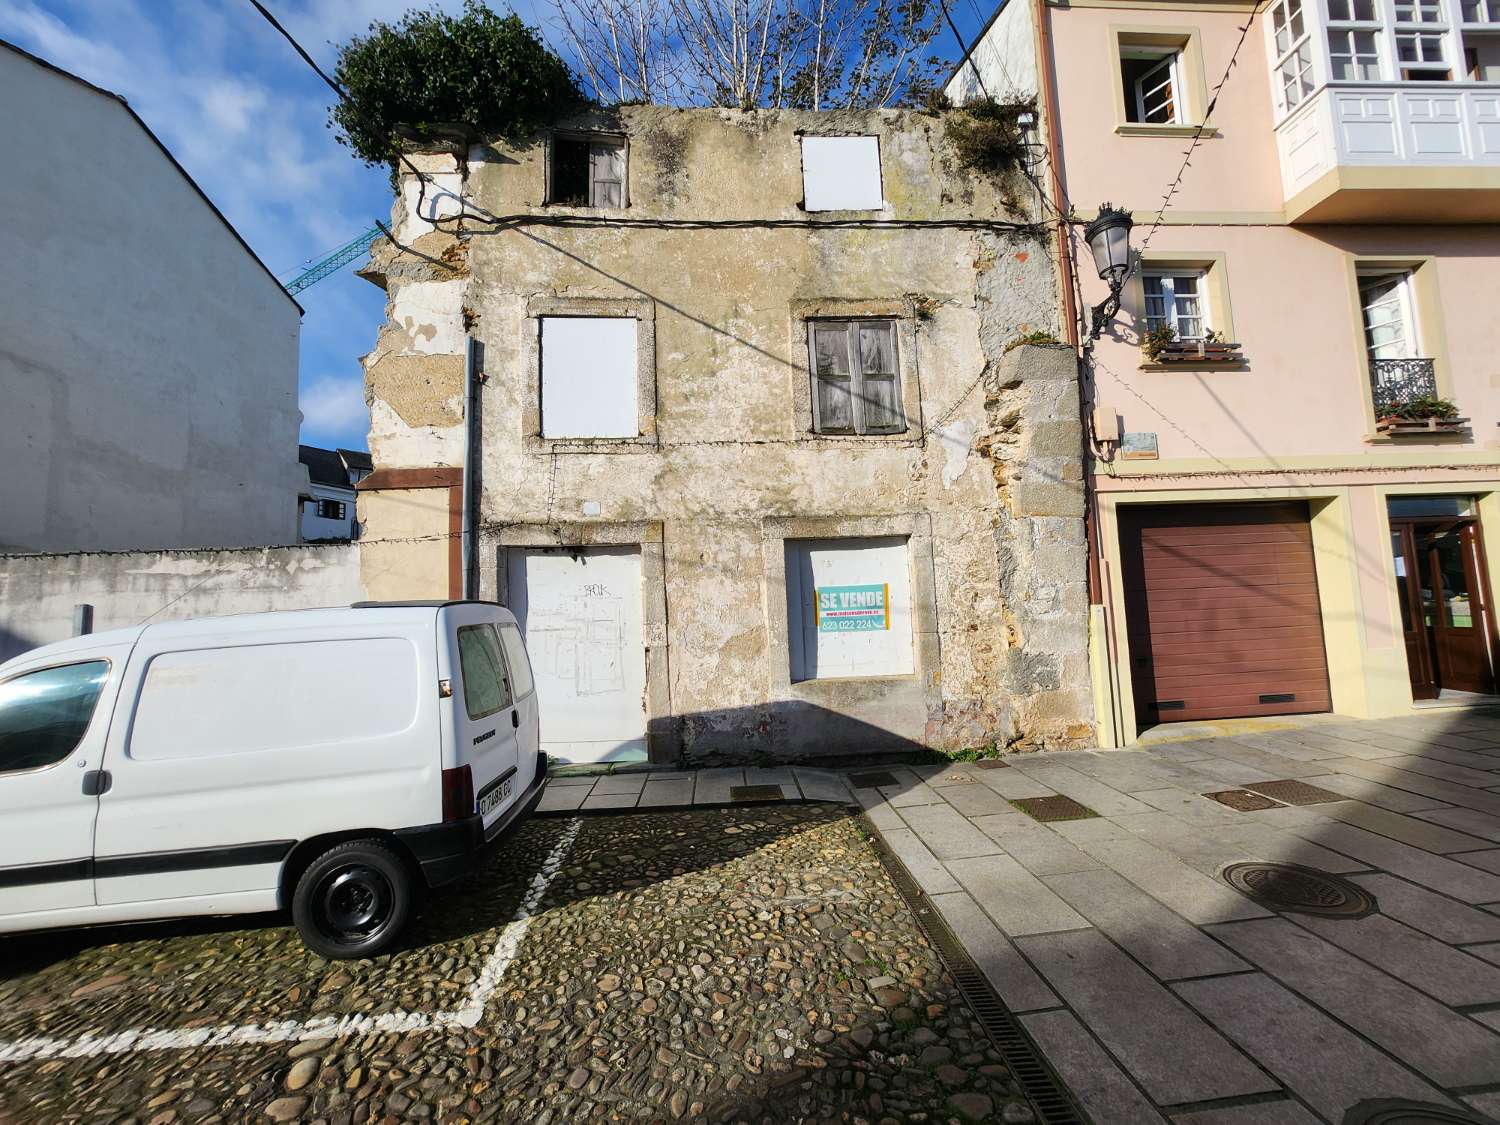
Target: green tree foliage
490, 73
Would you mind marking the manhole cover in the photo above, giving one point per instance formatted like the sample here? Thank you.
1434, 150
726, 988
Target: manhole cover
1241, 800
992, 764
1389, 1111
1053, 808
1294, 792
871, 780
1303, 890
755, 793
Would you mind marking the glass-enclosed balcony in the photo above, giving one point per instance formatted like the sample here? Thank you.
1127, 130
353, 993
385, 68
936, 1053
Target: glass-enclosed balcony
1387, 110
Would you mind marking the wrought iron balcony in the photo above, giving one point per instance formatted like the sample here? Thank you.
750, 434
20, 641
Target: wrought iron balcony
1402, 380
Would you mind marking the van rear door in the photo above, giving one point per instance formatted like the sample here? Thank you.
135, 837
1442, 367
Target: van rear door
484, 715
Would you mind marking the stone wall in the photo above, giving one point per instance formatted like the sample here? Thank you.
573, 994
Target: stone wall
984, 484
38, 593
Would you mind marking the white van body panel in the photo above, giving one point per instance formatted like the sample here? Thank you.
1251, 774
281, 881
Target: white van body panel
231, 739
228, 741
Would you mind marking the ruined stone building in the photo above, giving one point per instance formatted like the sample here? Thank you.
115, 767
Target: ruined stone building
752, 460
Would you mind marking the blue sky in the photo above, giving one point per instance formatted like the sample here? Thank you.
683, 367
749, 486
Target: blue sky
247, 119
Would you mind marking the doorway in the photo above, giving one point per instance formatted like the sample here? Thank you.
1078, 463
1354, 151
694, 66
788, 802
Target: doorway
1443, 593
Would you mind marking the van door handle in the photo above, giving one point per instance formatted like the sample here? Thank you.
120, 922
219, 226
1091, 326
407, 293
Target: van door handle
96, 783
515, 718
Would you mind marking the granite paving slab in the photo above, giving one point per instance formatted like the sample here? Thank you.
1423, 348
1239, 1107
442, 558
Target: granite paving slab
1324, 1063
1160, 939
1174, 1055
1445, 1046
1017, 900
1106, 1094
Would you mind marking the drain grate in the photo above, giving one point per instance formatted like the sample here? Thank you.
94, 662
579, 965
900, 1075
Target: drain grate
1048, 1096
873, 780
1396, 1111
992, 764
1301, 890
1242, 800
755, 793
1293, 792
1053, 808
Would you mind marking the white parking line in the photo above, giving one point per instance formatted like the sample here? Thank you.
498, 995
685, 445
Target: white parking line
324, 1027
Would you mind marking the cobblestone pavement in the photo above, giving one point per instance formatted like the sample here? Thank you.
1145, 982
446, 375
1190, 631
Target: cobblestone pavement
749, 964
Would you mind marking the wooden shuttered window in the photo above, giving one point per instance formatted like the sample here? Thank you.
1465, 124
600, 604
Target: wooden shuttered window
856, 383
606, 175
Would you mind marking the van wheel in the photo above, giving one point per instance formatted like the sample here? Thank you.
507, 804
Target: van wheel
353, 900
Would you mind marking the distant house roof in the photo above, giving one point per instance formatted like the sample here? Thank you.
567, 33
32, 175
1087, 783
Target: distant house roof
165, 152
326, 466
357, 459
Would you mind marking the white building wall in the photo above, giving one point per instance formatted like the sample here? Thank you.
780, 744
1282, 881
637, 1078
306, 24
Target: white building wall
39, 592
1004, 63
315, 526
148, 363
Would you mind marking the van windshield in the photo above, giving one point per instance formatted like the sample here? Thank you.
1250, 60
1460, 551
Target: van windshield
486, 686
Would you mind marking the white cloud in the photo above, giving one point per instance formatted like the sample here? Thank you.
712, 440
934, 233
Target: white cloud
334, 405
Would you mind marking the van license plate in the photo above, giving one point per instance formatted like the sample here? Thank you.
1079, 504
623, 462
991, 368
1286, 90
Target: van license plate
495, 797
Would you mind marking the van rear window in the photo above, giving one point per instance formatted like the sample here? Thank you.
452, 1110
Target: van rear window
486, 684
515, 656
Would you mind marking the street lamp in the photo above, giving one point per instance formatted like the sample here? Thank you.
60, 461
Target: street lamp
1108, 237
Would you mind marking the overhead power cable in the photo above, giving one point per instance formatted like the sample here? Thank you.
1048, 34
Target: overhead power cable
1213, 101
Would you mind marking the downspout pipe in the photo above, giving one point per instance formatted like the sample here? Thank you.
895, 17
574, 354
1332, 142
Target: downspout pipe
473, 381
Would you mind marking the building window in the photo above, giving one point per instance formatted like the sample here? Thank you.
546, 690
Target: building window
1420, 30
589, 376
849, 607
1354, 53
331, 509
1481, 11
1389, 321
856, 384
587, 171
841, 174
1177, 299
1294, 64
1152, 77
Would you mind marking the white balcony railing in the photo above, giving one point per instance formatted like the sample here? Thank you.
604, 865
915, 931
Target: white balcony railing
1412, 124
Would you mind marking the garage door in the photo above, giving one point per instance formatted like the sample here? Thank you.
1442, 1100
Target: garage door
581, 614
1221, 604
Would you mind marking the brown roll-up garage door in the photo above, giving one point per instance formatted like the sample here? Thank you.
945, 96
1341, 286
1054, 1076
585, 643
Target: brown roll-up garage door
1221, 606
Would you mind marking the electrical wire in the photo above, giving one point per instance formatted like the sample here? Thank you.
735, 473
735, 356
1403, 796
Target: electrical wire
1208, 111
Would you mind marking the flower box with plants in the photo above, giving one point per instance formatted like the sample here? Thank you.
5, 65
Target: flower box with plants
1418, 416
1162, 348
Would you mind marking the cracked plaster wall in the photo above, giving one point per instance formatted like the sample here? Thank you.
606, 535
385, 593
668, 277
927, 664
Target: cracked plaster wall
995, 473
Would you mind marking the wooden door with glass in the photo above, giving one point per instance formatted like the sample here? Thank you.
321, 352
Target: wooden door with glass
1443, 593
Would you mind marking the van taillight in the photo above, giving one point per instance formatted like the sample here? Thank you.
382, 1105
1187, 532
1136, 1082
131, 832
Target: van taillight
458, 793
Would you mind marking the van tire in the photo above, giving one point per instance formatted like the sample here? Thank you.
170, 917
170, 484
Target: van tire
353, 900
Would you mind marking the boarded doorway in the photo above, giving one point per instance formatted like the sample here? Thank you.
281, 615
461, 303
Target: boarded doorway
581, 612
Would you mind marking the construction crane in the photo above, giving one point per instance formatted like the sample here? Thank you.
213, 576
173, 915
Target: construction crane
333, 262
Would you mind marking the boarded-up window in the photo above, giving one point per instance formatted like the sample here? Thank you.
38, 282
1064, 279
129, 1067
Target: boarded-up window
589, 377
587, 172
849, 607
855, 381
841, 174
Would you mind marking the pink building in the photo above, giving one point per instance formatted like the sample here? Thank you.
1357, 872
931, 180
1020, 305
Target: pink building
1296, 470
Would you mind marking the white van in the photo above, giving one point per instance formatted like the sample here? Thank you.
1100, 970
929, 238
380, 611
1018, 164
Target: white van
332, 761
